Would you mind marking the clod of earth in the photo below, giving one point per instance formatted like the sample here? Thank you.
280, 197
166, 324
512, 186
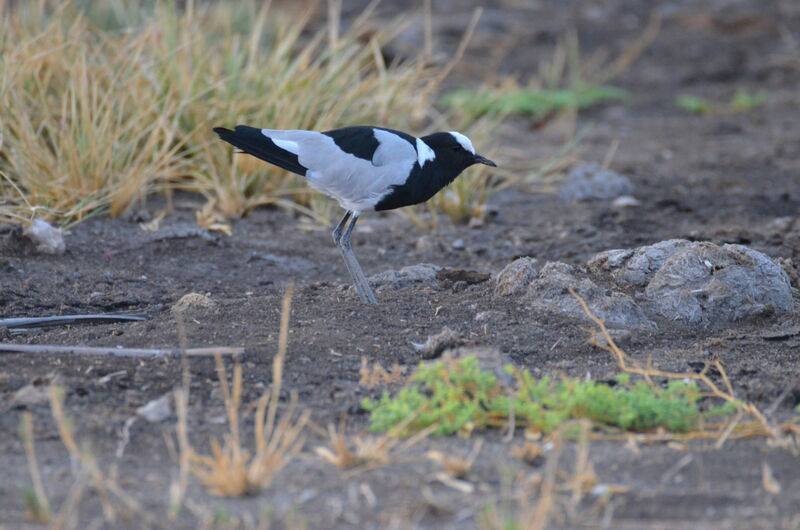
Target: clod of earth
708, 285
700, 284
636, 267
515, 277
437, 344
550, 292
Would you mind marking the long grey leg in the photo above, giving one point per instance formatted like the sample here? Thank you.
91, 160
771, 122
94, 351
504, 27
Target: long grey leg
342, 240
360, 281
337, 238
337, 232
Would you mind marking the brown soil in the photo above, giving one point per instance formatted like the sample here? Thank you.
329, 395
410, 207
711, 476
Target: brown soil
720, 177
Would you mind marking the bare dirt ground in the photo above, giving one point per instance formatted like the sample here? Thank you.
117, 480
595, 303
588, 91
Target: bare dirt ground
721, 177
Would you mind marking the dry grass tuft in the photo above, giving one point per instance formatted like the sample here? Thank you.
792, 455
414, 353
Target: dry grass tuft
456, 466
375, 374
366, 452
232, 470
530, 452
101, 106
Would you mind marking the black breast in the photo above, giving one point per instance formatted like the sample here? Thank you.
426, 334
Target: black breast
422, 184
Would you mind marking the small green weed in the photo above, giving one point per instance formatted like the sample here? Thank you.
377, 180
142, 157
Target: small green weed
694, 104
458, 396
742, 101
745, 101
537, 103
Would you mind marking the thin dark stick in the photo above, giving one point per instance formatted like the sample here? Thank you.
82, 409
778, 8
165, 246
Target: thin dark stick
63, 320
116, 352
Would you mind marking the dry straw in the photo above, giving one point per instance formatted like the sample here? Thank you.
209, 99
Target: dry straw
104, 104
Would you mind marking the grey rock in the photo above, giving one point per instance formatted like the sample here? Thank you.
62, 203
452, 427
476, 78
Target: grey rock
515, 277
708, 285
550, 292
635, 267
412, 276
590, 181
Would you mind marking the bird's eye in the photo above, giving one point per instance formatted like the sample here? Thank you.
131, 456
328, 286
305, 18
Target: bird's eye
456, 148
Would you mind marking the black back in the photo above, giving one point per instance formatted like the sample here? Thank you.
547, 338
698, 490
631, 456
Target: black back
360, 140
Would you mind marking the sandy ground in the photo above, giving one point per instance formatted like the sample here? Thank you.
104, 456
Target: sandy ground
723, 177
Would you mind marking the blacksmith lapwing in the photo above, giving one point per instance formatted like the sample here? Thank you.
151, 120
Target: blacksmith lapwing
364, 168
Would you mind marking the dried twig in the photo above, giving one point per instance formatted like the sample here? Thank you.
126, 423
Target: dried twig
628, 365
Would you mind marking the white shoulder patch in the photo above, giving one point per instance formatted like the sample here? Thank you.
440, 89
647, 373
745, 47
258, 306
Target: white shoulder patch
286, 145
424, 152
464, 141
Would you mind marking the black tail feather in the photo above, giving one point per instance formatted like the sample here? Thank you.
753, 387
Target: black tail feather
251, 141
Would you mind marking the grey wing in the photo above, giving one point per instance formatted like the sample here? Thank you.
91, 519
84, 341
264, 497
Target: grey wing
348, 178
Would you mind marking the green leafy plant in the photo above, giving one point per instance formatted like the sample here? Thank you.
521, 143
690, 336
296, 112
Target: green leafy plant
531, 101
746, 101
742, 101
458, 396
694, 104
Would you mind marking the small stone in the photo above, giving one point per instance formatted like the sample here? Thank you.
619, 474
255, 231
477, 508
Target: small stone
193, 300
458, 244
435, 345
47, 238
31, 395
621, 337
626, 201
590, 181
428, 243
156, 410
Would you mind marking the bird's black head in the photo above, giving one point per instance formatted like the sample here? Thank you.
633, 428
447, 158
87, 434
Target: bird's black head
455, 150
441, 157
